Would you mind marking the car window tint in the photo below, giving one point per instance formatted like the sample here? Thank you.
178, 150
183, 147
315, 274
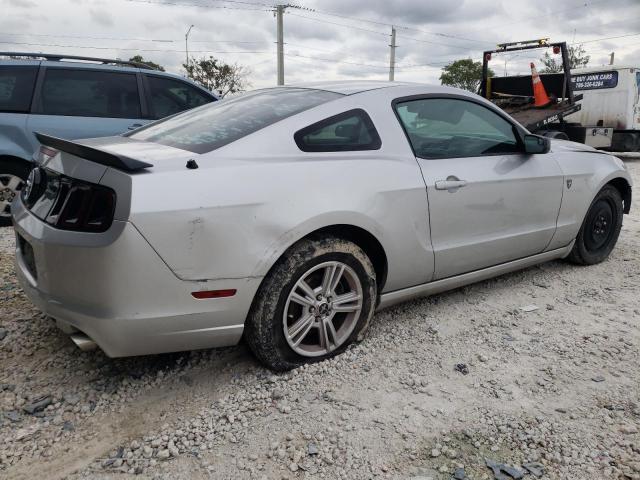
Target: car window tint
169, 96
16, 88
444, 128
90, 93
217, 124
348, 131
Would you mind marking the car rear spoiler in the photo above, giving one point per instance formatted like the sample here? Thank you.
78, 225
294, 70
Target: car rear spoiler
102, 157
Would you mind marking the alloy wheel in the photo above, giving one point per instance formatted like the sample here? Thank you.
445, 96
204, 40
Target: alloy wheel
10, 186
322, 309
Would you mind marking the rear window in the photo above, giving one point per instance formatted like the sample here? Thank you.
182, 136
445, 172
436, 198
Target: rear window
215, 125
347, 132
170, 96
16, 88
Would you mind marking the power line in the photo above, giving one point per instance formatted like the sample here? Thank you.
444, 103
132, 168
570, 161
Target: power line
386, 24
198, 5
556, 12
339, 24
605, 38
335, 61
132, 49
439, 43
85, 37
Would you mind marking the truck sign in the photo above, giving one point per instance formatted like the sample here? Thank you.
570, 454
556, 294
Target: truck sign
594, 81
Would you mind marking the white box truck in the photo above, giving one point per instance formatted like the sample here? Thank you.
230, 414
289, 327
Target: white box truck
610, 107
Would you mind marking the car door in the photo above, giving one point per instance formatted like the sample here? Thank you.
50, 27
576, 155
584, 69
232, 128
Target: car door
489, 203
75, 103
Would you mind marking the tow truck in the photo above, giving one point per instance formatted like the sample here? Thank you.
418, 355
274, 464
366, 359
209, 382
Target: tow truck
605, 114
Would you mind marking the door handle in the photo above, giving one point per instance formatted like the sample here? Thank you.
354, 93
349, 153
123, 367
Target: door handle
134, 126
451, 184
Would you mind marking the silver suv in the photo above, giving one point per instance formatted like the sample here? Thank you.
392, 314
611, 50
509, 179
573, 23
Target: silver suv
77, 97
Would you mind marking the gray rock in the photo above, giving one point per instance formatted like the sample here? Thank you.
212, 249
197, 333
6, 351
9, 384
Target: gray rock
534, 468
459, 474
312, 449
71, 398
13, 416
3, 333
38, 404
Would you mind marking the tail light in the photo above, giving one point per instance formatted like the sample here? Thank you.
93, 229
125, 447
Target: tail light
70, 204
45, 154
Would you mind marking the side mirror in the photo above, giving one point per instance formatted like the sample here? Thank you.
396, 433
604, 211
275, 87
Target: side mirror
536, 144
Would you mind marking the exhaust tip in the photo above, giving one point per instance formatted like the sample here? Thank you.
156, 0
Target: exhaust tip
83, 342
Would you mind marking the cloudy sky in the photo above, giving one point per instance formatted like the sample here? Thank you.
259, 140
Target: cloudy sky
325, 39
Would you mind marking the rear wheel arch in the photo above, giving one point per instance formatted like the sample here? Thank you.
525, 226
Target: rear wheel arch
362, 238
16, 160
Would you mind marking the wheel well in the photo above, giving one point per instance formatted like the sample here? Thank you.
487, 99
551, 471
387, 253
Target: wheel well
12, 158
625, 191
365, 240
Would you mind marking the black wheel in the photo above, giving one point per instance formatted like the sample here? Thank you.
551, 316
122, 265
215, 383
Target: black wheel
318, 299
13, 174
600, 228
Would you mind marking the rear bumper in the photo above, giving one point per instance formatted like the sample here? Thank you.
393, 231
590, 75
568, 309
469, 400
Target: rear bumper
120, 293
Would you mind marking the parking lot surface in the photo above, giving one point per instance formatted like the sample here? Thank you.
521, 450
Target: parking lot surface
539, 367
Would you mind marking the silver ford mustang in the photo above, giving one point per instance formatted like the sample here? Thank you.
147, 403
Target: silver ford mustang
289, 215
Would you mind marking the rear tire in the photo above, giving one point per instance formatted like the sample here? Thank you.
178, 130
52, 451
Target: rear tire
287, 327
13, 174
600, 229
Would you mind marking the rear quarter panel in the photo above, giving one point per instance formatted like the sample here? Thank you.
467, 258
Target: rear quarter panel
251, 200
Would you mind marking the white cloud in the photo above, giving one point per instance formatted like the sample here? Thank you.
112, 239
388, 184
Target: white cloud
326, 46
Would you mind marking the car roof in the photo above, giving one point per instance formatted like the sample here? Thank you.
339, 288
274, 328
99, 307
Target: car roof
350, 87
93, 64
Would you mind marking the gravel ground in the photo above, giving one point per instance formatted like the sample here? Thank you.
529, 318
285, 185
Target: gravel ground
554, 387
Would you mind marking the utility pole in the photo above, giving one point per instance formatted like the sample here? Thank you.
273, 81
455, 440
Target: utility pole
611, 60
280, 41
392, 55
186, 45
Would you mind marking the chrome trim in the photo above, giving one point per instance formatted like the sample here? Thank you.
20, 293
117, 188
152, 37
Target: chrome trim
431, 288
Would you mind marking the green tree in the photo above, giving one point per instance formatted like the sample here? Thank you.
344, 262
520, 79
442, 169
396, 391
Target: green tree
218, 76
139, 59
465, 74
577, 59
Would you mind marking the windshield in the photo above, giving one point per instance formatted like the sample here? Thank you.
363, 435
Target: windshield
217, 124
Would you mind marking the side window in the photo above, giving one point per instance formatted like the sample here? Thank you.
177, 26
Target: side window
348, 131
169, 96
16, 88
90, 93
445, 128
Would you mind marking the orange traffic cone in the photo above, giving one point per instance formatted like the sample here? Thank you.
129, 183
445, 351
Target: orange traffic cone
539, 93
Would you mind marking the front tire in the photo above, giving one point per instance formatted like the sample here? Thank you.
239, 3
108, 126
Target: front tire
318, 299
600, 229
13, 174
